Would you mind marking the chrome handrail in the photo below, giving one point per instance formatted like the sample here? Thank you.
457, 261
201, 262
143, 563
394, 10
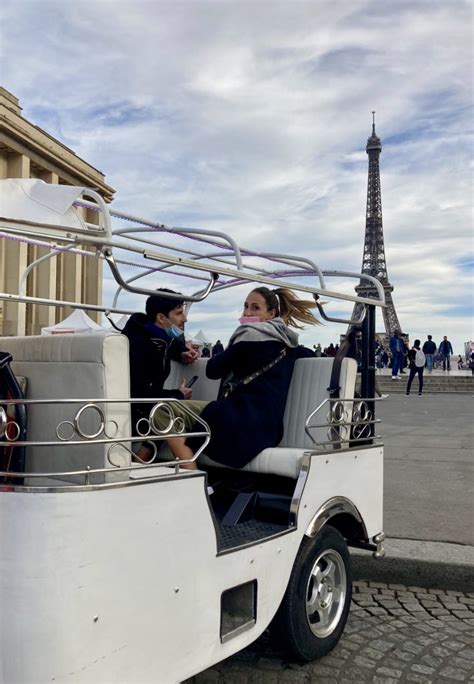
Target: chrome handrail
339, 424
152, 434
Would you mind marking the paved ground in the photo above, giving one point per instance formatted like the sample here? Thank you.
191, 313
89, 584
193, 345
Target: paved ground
429, 467
395, 634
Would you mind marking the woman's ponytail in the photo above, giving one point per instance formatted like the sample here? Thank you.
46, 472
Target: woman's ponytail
294, 311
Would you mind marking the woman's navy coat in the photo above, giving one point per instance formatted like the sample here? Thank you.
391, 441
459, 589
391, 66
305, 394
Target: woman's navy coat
251, 417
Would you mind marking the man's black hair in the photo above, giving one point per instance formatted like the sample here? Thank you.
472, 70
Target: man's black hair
156, 304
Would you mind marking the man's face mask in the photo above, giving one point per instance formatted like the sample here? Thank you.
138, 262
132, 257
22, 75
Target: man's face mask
173, 331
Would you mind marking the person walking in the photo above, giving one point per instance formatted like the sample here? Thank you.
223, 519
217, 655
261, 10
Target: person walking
417, 366
218, 348
429, 350
397, 347
446, 349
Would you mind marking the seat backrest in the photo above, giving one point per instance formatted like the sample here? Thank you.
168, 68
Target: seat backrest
308, 388
204, 388
89, 366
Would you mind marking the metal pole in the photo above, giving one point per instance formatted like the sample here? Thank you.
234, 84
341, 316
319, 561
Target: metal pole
368, 359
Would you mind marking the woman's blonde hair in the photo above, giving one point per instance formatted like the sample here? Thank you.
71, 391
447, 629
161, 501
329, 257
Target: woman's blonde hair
294, 311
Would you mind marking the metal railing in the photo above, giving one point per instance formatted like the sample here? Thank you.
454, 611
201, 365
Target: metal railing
227, 265
348, 422
74, 432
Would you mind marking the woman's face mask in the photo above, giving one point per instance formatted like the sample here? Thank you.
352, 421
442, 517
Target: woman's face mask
249, 319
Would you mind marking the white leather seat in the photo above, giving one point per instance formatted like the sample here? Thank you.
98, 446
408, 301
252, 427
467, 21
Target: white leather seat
204, 388
91, 366
308, 388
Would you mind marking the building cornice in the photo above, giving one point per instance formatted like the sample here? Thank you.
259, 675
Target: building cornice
23, 136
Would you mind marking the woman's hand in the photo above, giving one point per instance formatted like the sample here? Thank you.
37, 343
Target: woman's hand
186, 391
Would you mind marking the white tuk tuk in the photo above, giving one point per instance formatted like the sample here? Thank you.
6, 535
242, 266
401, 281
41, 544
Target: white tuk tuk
113, 571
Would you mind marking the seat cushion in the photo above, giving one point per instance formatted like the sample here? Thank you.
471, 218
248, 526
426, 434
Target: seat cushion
275, 461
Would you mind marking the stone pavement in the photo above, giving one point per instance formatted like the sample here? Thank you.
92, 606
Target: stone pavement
429, 467
395, 634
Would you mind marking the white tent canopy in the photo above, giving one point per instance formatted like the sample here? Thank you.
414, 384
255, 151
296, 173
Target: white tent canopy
77, 322
202, 337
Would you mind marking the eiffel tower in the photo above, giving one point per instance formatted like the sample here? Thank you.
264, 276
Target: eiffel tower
373, 260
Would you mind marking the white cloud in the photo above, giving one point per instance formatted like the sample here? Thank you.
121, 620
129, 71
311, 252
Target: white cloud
232, 117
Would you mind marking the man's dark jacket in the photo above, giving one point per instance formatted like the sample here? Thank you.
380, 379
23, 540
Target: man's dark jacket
445, 348
150, 351
429, 347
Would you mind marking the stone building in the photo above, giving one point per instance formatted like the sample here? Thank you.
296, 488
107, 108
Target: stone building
27, 151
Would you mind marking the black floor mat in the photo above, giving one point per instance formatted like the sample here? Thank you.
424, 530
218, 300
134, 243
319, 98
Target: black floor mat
246, 533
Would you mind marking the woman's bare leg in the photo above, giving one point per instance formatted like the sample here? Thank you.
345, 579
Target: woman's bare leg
181, 451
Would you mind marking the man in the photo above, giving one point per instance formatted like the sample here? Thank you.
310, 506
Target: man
397, 347
446, 349
156, 338
429, 350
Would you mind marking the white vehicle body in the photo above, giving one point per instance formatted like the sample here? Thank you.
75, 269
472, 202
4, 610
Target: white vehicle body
117, 572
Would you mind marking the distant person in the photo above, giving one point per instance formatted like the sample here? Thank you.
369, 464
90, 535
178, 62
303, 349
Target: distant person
460, 362
330, 351
218, 348
446, 349
471, 362
206, 353
429, 349
378, 358
417, 366
406, 358
397, 348
317, 349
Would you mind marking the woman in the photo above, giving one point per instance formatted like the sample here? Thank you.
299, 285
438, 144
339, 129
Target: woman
417, 361
256, 369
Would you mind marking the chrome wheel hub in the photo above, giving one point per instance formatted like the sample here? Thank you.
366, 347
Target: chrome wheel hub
326, 593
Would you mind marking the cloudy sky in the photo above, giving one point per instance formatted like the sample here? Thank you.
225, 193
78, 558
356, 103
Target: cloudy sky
252, 117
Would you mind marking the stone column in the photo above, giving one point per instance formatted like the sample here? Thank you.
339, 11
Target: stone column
92, 275
69, 281
14, 261
42, 280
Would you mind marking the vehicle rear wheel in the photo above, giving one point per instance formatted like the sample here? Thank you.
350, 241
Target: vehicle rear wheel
314, 610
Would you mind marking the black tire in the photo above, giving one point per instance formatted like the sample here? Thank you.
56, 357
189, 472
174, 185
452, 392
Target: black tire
321, 579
